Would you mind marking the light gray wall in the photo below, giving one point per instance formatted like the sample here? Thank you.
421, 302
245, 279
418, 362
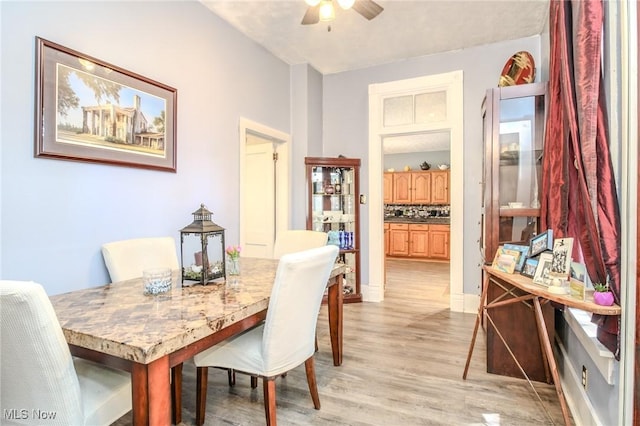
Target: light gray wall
306, 125
56, 214
414, 159
346, 125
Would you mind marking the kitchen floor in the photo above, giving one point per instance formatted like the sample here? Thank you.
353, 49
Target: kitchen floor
435, 276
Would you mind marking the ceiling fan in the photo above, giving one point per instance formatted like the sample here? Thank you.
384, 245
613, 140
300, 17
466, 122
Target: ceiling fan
322, 10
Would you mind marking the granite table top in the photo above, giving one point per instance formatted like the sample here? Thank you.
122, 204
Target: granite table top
120, 320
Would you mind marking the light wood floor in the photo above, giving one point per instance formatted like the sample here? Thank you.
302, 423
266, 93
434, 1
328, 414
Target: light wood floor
403, 364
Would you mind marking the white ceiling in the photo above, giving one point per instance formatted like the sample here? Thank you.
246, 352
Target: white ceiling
405, 29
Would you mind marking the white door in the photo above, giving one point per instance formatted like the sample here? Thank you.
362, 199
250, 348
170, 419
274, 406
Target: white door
259, 197
264, 183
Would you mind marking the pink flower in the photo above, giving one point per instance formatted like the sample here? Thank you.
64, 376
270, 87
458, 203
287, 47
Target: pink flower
233, 251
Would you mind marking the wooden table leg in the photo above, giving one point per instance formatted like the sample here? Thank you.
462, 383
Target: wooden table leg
176, 394
151, 393
335, 305
542, 329
483, 297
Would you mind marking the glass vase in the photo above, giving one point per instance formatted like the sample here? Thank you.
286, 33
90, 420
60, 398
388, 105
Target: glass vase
233, 265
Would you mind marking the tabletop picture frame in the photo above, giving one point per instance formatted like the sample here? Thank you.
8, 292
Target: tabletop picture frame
543, 269
91, 111
524, 252
541, 242
529, 267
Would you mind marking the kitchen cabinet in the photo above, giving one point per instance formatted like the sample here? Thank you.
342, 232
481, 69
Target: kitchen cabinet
388, 188
513, 122
333, 188
424, 187
412, 188
439, 242
418, 240
399, 239
440, 187
402, 193
386, 239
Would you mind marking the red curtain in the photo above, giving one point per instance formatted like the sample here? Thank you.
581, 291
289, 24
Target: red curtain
578, 189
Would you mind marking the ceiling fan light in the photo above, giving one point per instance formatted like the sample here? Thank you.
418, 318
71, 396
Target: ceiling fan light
327, 13
312, 3
346, 4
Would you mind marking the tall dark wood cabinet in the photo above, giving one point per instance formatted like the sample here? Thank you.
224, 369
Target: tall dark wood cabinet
513, 125
513, 121
333, 188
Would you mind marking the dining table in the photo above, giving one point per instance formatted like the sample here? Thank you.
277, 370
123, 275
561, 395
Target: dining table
151, 336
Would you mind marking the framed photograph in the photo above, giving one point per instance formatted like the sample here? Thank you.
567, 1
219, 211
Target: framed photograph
89, 110
578, 281
543, 269
505, 260
541, 242
529, 267
524, 252
562, 252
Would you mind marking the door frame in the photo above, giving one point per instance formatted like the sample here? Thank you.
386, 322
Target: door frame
282, 144
452, 82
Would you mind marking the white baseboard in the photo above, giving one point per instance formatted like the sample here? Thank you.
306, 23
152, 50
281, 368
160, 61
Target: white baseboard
582, 410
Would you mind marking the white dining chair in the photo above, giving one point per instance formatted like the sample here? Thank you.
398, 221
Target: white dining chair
127, 259
290, 241
285, 340
293, 240
40, 382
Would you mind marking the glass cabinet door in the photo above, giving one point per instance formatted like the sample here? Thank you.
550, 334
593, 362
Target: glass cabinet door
334, 209
513, 119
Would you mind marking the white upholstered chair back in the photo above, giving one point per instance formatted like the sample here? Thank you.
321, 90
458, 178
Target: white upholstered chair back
294, 240
38, 375
290, 327
127, 259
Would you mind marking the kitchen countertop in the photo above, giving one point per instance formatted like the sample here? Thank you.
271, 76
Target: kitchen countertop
426, 220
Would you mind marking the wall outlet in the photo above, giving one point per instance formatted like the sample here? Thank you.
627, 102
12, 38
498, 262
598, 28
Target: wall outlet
584, 377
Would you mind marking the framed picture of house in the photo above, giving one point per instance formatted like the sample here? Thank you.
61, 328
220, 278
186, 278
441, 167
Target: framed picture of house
89, 110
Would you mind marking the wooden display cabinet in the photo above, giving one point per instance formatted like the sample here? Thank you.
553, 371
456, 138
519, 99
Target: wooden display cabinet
333, 188
513, 121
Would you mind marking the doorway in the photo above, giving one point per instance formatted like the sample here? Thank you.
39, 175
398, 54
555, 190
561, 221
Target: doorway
452, 84
264, 186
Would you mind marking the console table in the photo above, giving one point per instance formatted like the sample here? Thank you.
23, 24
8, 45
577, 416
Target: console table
507, 294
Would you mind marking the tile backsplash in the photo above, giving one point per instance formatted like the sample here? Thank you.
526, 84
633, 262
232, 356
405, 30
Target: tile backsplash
416, 210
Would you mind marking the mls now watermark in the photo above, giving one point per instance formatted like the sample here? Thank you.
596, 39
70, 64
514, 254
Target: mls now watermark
23, 414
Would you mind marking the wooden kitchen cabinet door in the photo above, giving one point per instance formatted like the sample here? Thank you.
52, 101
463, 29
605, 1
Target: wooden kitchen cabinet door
399, 239
421, 187
440, 187
388, 188
402, 188
439, 242
419, 237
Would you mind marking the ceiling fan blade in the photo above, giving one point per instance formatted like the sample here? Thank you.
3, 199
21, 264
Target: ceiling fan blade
312, 15
367, 8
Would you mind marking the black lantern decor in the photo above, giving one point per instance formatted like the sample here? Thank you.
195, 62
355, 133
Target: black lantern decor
202, 249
